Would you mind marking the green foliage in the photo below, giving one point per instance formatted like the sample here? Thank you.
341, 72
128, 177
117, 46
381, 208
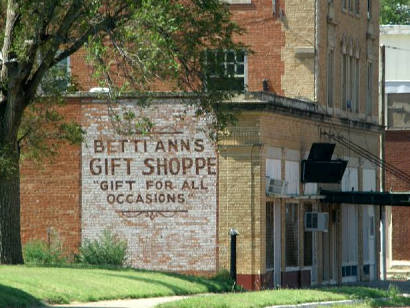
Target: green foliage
41, 253
8, 162
108, 249
393, 292
395, 12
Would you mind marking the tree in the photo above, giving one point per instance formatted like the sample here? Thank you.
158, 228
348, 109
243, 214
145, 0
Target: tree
395, 12
130, 43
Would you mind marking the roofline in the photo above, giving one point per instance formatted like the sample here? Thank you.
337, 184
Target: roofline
254, 102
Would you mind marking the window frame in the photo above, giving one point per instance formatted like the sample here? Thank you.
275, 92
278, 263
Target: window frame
226, 63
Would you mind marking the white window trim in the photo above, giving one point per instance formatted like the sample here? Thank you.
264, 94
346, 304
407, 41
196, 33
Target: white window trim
237, 1
292, 268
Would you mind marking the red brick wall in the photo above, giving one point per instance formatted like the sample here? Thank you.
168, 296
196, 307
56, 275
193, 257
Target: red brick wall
263, 34
50, 194
398, 154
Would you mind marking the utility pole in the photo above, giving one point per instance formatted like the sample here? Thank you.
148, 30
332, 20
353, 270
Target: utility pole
383, 172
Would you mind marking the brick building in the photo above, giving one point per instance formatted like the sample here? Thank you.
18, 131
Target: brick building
175, 194
396, 39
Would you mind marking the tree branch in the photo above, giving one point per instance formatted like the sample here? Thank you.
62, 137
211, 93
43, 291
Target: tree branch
12, 17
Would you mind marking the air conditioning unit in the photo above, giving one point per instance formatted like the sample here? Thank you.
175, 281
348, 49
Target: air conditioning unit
315, 221
275, 187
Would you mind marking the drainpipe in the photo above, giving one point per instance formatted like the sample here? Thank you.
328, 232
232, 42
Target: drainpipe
383, 269
316, 66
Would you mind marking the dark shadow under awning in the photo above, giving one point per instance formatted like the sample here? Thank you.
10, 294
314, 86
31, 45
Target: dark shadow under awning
359, 197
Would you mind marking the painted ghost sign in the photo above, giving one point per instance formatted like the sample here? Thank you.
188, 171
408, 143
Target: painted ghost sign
156, 190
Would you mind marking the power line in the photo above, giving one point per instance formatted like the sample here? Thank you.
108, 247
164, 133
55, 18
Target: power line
370, 157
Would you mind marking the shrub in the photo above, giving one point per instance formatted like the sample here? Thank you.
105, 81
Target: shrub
108, 249
39, 252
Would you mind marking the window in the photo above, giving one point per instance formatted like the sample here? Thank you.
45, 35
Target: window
225, 70
330, 77
292, 176
350, 83
356, 86
371, 226
269, 235
349, 240
308, 242
57, 77
345, 4
355, 80
350, 5
291, 234
369, 98
369, 9
344, 81
357, 7
349, 270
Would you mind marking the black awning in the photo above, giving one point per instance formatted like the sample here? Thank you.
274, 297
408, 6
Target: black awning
358, 197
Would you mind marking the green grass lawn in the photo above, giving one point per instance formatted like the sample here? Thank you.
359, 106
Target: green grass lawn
22, 286
290, 297
26, 286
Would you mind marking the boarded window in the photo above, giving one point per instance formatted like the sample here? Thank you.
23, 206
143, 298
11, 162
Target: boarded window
350, 180
291, 234
292, 176
269, 235
349, 236
273, 168
369, 179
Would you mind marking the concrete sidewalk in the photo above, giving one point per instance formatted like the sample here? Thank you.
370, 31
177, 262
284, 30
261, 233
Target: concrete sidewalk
127, 303
152, 302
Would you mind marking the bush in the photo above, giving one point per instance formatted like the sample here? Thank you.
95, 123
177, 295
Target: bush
107, 250
39, 252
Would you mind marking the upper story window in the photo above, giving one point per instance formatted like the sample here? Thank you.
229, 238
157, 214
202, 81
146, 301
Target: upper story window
369, 9
352, 6
369, 97
330, 77
225, 70
350, 77
57, 78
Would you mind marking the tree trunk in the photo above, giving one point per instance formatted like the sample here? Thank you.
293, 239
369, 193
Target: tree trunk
10, 242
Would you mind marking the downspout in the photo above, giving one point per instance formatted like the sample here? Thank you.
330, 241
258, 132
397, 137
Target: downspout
316, 38
383, 173
253, 272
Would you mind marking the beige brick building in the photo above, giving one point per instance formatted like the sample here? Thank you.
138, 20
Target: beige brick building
312, 78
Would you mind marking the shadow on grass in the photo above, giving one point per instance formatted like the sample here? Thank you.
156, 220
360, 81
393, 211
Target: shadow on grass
211, 285
15, 298
217, 284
